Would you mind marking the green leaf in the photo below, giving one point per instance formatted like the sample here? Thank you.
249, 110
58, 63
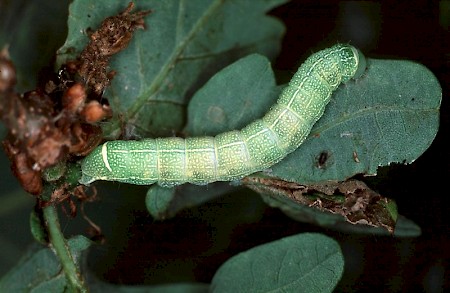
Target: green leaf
40, 271
300, 263
158, 200
389, 115
234, 97
406, 228
184, 44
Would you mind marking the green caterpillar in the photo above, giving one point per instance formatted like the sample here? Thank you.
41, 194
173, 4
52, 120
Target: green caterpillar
232, 155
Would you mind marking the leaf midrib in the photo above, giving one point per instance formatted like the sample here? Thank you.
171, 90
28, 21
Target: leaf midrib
169, 65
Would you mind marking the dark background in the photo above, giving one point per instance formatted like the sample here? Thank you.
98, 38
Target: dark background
414, 30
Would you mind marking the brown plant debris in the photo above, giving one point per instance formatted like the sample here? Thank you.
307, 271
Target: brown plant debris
352, 199
57, 122
114, 35
7, 72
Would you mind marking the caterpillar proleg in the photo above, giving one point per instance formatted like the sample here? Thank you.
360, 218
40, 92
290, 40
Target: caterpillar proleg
235, 154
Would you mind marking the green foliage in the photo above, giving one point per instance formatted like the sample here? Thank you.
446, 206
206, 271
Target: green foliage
234, 97
184, 44
300, 263
39, 270
389, 115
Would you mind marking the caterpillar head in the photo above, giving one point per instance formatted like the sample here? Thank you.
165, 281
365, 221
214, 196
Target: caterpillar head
360, 62
355, 62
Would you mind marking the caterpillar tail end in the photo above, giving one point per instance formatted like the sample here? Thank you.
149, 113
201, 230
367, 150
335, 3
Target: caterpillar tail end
95, 166
361, 61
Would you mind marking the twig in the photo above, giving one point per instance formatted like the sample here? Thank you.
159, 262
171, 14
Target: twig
73, 276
